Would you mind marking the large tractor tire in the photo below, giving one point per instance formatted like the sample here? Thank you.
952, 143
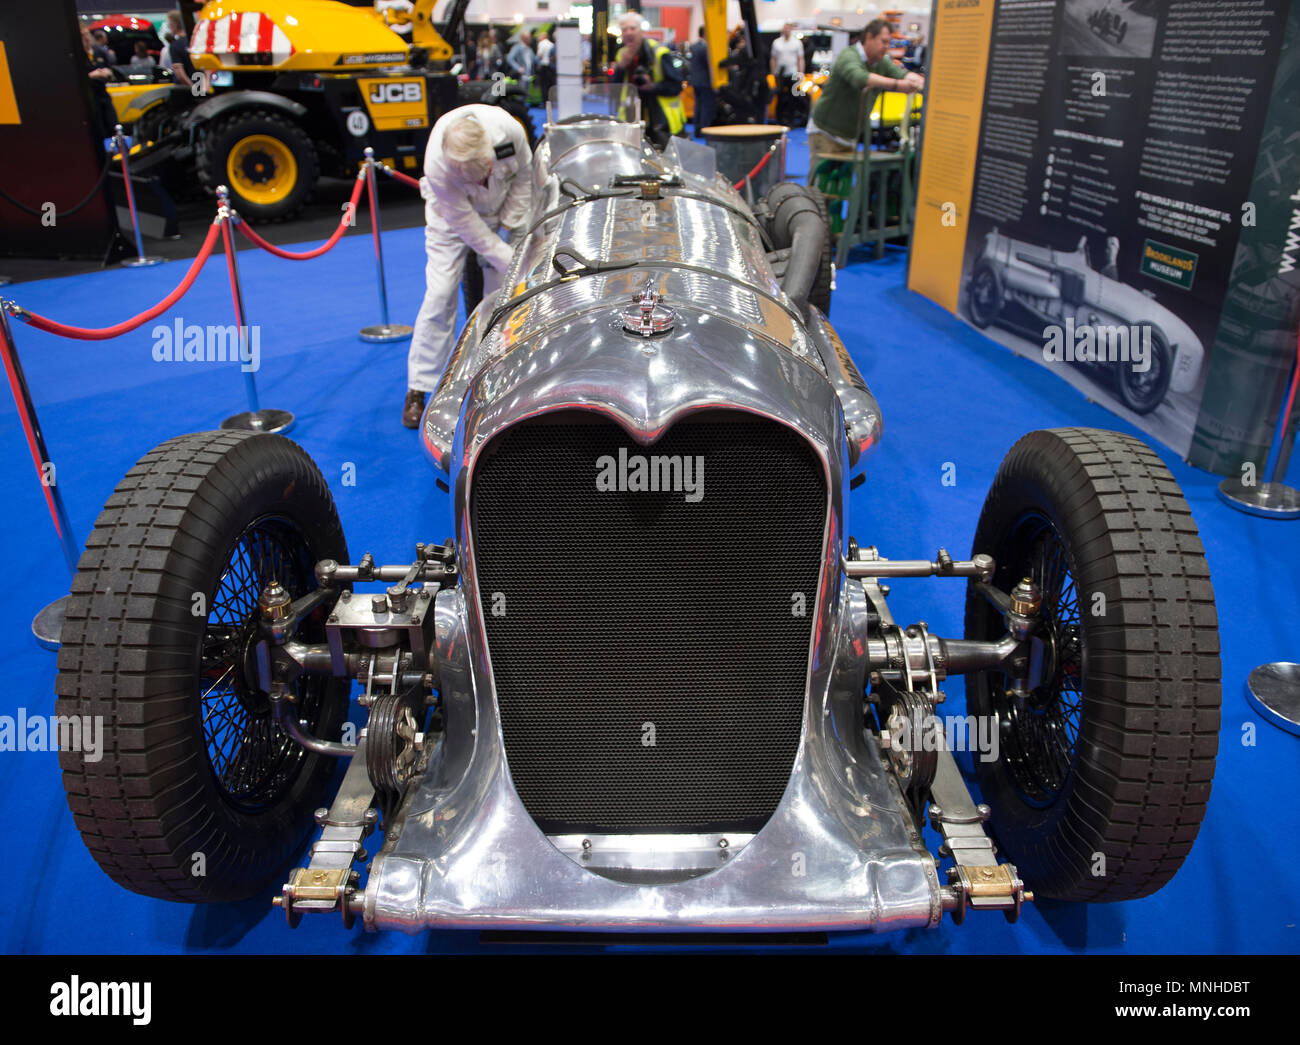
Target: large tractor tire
198, 794
264, 158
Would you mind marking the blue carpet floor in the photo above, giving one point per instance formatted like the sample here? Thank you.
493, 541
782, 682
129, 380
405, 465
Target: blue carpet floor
948, 395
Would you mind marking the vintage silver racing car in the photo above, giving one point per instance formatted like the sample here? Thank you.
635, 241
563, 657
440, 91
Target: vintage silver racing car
651, 682
1028, 289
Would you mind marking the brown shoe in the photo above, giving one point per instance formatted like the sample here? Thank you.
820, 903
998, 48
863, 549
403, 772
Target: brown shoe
413, 408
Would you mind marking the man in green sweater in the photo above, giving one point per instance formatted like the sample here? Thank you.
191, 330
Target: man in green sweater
833, 124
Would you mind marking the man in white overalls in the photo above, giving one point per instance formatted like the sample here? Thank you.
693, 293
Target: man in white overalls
477, 180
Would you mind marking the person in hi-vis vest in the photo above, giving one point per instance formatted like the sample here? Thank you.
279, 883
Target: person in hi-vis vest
658, 73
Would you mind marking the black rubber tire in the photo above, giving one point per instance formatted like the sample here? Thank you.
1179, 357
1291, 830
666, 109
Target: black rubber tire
220, 137
981, 313
1134, 392
152, 123
1137, 778
131, 654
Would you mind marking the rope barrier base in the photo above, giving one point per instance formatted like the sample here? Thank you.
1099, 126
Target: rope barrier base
1274, 691
1269, 500
384, 333
47, 626
141, 262
280, 421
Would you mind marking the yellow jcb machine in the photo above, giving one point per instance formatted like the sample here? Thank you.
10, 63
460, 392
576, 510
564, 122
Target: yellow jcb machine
286, 90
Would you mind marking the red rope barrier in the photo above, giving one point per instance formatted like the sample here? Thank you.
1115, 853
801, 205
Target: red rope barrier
103, 334
306, 255
413, 182
1290, 401
757, 167
29, 429
229, 241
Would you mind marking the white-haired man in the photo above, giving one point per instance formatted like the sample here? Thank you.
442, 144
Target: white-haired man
477, 180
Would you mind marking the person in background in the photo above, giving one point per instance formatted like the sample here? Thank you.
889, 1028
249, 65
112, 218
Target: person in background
477, 180
787, 68
487, 59
470, 56
658, 73
1111, 268
701, 78
176, 54
142, 59
521, 61
100, 70
864, 64
99, 40
919, 54
545, 63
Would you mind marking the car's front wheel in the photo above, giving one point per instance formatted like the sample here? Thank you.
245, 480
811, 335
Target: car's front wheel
197, 793
1101, 777
1143, 391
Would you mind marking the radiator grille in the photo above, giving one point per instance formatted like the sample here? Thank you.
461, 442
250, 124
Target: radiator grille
648, 654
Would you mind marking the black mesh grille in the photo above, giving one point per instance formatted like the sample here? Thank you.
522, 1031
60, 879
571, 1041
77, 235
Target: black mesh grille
611, 612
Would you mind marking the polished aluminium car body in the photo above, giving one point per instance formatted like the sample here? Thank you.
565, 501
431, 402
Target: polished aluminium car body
468, 852
642, 299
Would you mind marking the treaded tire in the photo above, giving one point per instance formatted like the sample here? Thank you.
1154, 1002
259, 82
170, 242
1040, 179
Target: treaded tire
1135, 391
1146, 667
222, 136
132, 653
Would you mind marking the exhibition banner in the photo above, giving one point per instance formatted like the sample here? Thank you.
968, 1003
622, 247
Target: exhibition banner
1129, 217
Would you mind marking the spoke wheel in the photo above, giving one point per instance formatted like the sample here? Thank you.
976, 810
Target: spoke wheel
198, 794
1040, 739
1102, 774
253, 759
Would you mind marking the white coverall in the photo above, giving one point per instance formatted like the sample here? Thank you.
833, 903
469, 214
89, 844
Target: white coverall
460, 218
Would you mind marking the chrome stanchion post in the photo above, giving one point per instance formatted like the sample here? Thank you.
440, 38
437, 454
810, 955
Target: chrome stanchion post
255, 419
140, 259
385, 331
1272, 499
1273, 689
47, 625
